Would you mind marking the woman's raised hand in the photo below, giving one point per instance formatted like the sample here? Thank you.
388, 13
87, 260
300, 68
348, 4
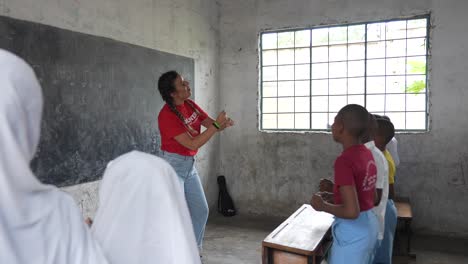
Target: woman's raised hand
221, 118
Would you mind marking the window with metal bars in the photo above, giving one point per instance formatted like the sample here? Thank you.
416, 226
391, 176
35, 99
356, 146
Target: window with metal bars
308, 75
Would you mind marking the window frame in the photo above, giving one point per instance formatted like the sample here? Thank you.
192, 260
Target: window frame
365, 94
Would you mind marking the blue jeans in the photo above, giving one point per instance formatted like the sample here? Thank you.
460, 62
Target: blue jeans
385, 250
354, 239
193, 189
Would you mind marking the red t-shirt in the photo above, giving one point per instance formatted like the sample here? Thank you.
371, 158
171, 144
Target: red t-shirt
356, 167
171, 126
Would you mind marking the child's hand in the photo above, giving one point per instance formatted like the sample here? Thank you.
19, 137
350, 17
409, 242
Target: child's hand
327, 197
317, 202
326, 185
89, 221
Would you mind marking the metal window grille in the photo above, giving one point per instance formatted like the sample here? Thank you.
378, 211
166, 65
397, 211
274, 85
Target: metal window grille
307, 75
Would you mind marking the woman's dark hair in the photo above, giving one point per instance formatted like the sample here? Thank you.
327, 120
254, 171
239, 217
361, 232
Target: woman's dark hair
166, 86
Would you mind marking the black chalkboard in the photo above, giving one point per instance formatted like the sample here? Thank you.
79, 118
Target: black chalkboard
100, 97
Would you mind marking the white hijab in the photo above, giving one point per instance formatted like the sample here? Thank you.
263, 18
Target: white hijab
38, 223
142, 215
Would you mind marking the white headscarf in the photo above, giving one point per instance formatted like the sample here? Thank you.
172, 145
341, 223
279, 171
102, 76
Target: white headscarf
142, 215
38, 223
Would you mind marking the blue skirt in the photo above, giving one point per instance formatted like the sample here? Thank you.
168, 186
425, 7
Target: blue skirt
354, 240
384, 251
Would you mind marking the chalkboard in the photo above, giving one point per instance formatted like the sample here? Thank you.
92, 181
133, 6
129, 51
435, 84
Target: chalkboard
100, 97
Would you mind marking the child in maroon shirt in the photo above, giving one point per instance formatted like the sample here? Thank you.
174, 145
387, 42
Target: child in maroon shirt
355, 227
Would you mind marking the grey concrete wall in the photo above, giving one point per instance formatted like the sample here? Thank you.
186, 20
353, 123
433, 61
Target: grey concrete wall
183, 27
273, 173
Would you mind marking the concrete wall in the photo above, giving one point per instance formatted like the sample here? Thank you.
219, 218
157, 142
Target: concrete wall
184, 27
273, 173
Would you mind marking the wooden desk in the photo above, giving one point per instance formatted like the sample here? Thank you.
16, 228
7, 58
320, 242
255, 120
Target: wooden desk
404, 210
405, 215
304, 238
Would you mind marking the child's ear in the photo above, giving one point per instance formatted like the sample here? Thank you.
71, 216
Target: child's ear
377, 138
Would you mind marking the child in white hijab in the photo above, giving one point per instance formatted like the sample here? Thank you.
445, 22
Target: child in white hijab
142, 215
38, 223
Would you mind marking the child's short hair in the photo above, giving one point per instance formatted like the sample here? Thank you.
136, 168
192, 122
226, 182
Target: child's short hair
386, 118
355, 119
371, 129
377, 116
385, 129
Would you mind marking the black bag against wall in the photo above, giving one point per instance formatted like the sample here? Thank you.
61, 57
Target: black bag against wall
225, 203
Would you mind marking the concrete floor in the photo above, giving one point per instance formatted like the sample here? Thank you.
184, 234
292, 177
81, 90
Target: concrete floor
237, 240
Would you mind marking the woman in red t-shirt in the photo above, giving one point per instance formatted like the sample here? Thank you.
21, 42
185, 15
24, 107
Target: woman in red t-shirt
180, 122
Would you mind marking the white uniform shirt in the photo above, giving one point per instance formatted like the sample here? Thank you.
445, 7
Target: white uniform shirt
382, 183
392, 147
